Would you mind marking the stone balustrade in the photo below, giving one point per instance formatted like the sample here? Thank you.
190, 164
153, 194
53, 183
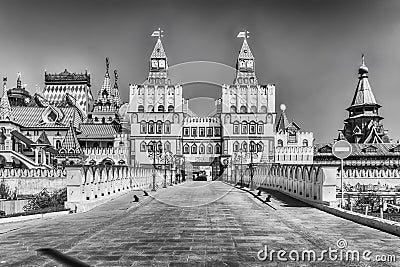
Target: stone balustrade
311, 183
90, 186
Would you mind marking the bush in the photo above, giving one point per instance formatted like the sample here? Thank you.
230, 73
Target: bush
45, 200
5, 191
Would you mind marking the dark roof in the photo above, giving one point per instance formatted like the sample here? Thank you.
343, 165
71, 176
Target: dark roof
43, 139
22, 138
359, 150
97, 131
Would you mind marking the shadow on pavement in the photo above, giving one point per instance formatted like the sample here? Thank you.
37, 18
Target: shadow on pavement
286, 200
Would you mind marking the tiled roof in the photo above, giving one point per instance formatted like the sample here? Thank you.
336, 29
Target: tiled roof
363, 150
158, 51
245, 52
97, 131
70, 141
31, 117
22, 138
363, 94
283, 123
43, 139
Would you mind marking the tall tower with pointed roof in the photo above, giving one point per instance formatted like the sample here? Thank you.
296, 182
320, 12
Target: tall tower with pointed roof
248, 108
19, 96
364, 122
156, 107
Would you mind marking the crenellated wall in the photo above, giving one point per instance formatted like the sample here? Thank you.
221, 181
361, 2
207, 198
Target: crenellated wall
311, 183
32, 181
294, 155
100, 153
88, 187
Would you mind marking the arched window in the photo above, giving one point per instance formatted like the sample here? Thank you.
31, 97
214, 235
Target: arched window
253, 146
260, 127
202, 149
170, 108
260, 147
194, 149
280, 143
209, 149
143, 146
244, 127
305, 142
243, 109
217, 149
103, 120
96, 119
236, 146
121, 144
186, 149
167, 146
58, 144
167, 127
263, 109
233, 109
161, 108
143, 127
253, 109
140, 108
244, 146
150, 108
151, 127
252, 80
252, 128
236, 127
159, 127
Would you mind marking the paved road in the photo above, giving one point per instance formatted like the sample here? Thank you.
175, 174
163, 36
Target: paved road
194, 224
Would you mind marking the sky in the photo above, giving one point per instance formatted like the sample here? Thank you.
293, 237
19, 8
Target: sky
310, 49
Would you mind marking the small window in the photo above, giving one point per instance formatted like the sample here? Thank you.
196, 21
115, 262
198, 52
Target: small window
186, 132
151, 127
292, 137
154, 64
95, 145
202, 149
150, 108
143, 127
253, 109
140, 108
244, 146
280, 143
194, 131
194, 149
209, 131
109, 144
170, 108
217, 149
160, 108
202, 131
143, 146
263, 109
252, 129
217, 131
209, 149
244, 127
243, 109
167, 127
58, 144
260, 129
260, 147
305, 142
233, 109
167, 146
236, 127
159, 127
236, 147
186, 149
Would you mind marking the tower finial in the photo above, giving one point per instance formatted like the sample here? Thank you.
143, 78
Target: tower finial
362, 59
19, 80
158, 33
116, 75
363, 69
107, 64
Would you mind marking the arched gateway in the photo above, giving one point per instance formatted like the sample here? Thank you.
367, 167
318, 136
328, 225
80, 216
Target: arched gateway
244, 116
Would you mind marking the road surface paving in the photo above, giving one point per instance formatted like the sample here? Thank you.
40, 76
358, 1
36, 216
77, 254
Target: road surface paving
197, 224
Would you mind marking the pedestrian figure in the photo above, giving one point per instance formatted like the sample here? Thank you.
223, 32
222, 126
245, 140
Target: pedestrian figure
268, 199
135, 198
145, 193
76, 208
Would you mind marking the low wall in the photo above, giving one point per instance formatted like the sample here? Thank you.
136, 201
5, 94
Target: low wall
13, 206
90, 186
29, 182
309, 182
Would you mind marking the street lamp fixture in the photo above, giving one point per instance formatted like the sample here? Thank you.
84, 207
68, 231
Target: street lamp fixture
154, 150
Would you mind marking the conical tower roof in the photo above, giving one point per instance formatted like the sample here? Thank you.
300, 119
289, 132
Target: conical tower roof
5, 108
106, 87
283, 121
363, 94
71, 141
158, 51
245, 52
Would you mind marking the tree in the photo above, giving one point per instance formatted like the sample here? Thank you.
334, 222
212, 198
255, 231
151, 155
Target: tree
5, 191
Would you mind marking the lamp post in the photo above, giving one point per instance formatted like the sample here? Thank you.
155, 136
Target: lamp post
253, 149
171, 165
178, 162
154, 150
166, 159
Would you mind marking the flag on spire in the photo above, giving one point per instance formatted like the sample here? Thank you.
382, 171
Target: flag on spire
157, 33
243, 34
